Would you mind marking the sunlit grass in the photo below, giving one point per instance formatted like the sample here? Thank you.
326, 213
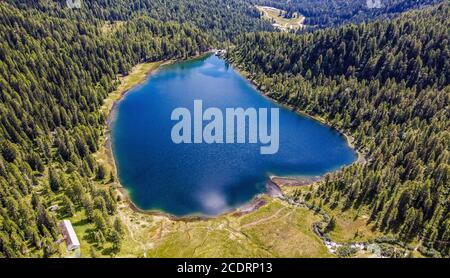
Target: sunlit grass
276, 17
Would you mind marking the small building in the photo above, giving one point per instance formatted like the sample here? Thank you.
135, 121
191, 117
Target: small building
70, 237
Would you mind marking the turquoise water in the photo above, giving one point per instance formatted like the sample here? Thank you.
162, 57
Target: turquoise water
208, 179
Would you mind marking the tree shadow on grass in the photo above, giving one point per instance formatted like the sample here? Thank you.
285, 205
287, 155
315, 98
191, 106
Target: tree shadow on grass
110, 251
82, 222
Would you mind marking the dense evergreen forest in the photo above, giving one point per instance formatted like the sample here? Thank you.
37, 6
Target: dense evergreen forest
323, 13
54, 75
387, 84
222, 18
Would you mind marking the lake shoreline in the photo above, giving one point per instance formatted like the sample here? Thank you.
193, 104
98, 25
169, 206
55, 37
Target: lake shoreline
350, 140
116, 97
274, 184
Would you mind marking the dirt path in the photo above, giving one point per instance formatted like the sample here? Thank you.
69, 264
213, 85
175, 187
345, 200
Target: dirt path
130, 229
416, 248
265, 219
161, 229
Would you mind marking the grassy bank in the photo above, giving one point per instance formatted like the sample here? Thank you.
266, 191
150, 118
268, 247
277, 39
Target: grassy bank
278, 19
137, 75
103, 156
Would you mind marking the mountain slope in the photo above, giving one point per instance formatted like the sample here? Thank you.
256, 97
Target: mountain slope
323, 13
222, 18
54, 75
387, 84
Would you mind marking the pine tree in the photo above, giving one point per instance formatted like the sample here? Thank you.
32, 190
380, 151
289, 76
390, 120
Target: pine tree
69, 208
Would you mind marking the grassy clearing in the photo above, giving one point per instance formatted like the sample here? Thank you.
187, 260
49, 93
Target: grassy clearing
109, 27
278, 19
285, 231
137, 75
80, 222
82, 227
351, 225
258, 234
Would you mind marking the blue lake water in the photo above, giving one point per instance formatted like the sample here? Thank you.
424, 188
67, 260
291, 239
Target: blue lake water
208, 179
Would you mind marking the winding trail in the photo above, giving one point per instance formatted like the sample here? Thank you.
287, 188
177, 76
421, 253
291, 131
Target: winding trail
129, 227
265, 219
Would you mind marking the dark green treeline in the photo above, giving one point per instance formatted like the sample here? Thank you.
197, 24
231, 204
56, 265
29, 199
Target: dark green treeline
387, 84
